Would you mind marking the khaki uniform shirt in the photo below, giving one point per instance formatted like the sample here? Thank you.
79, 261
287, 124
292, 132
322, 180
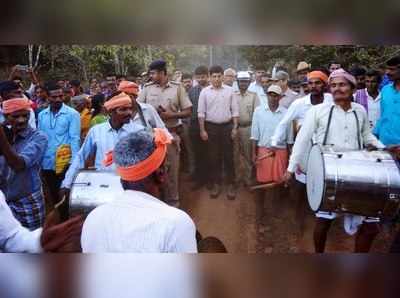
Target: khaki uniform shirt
172, 97
247, 104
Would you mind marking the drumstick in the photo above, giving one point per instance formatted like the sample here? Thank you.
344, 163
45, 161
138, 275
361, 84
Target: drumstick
61, 202
266, 186
270, 154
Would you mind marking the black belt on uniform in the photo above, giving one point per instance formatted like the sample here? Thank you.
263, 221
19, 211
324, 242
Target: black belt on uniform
219, 124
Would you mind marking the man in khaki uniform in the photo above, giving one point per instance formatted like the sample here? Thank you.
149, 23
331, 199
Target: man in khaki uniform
248, 101
172, 103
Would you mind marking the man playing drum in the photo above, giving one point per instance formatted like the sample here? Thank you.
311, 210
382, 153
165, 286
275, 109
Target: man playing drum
344, 125
124, 119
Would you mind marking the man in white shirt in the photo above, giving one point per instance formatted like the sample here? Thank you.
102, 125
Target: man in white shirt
372, 81
317, 82
348, 130
137, 221
257, 86
51, 238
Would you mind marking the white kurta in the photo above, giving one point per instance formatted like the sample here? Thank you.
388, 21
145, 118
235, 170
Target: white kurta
137, 222
13, 236
342, 135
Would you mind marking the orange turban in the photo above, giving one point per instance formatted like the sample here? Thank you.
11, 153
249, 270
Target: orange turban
318, 75
120, 100
129, 87
16, 104
146, 167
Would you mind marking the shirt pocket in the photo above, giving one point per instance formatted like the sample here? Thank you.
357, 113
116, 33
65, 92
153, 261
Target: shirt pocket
62, 126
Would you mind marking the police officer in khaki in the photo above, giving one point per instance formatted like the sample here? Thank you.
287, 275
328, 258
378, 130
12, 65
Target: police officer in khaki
172, 103
248, 101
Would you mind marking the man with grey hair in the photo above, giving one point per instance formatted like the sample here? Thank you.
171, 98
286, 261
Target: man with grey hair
137, 221
281, 79
229, 77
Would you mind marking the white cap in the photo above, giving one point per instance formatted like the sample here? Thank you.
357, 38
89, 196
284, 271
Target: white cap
243, 75
275, 89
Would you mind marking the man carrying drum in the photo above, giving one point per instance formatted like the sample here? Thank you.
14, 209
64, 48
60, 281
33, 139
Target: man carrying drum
344, 125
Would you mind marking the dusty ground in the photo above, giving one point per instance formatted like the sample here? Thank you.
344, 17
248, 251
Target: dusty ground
263, 223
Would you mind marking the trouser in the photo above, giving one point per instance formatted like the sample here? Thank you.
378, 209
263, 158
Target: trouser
242, 156
395, 247
301, 202
172, 163
220, 152
364, 238
188, 154
199, 154
52, 182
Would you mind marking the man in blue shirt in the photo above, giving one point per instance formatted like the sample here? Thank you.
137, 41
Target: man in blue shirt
61, 124
21, 152
387, 128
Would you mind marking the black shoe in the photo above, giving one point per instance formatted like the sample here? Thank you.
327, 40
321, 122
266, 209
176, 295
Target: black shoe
231, 192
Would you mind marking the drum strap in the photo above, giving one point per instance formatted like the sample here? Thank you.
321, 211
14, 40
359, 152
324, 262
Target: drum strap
141, 116
329, 125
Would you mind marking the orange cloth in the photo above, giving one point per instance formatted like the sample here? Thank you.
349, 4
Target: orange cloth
271, 169
318, 75
146, 167
118, 101
16, 104
129, 87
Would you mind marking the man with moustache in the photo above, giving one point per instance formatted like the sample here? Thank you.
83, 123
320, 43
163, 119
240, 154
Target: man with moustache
343, 124
61, 125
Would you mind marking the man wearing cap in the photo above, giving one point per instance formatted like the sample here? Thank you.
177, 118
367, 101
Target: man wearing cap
387, 128
270, 163
317, 83
257, 86
21, 152
137, 221
343, 125
303, 68
172, 103
124, 118
248, 102
62, 125
281, 79
80, 104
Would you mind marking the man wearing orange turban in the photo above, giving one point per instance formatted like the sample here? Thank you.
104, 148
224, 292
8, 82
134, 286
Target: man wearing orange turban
102, 137
141, 223
21, 152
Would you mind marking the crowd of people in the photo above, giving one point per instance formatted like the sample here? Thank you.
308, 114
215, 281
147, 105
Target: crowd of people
222, 126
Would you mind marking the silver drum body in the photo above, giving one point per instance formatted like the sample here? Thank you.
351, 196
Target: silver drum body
91, 189
357, 182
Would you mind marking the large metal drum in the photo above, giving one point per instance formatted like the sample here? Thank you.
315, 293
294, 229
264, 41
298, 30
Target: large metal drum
91, 189
357, 182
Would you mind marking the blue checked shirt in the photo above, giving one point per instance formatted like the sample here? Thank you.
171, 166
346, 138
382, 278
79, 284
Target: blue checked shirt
387, 128
30, 144
61, 128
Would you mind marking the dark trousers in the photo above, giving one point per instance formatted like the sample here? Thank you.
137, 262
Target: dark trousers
200, 154
395, 247
220, 152
53, 182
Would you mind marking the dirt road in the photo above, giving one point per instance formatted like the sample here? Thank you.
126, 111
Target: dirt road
263, 223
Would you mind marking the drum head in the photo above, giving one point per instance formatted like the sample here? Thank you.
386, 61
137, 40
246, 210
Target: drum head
315, 178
